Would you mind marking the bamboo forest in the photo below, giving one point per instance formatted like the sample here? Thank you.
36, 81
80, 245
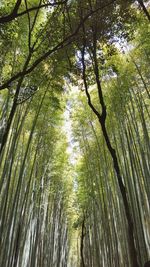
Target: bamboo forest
74, 133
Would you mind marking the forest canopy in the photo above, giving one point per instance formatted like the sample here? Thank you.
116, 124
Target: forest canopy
74, 133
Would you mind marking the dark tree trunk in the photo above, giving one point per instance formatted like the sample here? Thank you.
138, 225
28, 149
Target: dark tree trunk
102, 120
144, 9
14, 106
82, 243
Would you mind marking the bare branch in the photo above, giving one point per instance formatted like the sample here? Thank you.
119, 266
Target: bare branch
86, 86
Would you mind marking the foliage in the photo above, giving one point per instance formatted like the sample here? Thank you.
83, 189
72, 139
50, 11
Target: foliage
59, 56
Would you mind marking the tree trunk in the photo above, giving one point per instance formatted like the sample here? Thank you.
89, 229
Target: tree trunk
102, 120
144, 9
82, 243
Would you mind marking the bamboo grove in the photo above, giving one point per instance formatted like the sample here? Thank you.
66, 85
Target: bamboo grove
75, 189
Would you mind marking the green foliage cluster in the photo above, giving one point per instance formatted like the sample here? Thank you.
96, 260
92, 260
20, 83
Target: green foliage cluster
91, 58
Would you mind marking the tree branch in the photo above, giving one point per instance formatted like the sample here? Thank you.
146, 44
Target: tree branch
141, 3
65, 42
86, 86
15, 14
